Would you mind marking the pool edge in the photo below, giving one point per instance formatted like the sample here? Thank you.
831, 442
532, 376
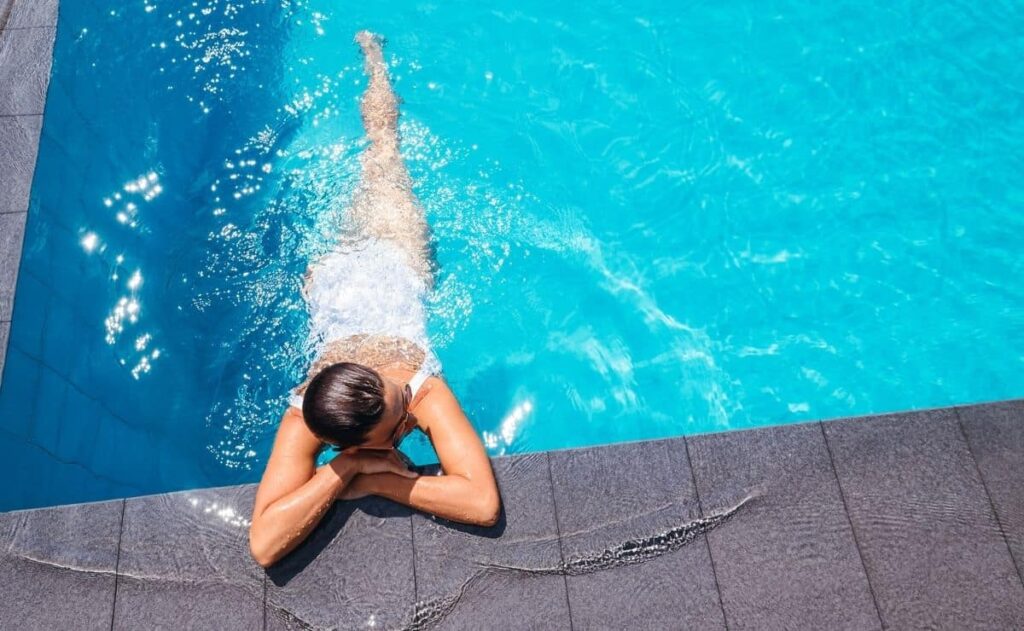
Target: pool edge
27, 40
821, 524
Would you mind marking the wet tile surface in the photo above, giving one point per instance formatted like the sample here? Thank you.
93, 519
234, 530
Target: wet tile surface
933, 551
185, 563
791, 544
5, 332
453, 559
19, 137
354, 571
786, 559
57, 566
12, 233
995, 433
30, 13
25, 59
606, 497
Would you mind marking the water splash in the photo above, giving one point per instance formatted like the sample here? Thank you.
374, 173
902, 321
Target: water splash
430, 612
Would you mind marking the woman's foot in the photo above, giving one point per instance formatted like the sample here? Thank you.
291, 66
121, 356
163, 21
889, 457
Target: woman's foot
371, 45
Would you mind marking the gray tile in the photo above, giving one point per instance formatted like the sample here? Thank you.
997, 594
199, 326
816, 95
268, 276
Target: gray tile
5, 331
25, 58
185, 562
27, 13
788, 558
354, 570
12, 233
57, 566
608, 496
456, 558
926, 530
995, 433
19, 137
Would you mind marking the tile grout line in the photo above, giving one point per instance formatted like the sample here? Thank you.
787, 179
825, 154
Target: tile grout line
117, 565
849, 520
707, 541
73, 463
264, 601
26, 28
45, 364
19, 115
988, 494
558, 531
415, 580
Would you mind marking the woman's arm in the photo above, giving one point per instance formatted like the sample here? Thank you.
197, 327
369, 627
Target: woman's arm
294, 495
449, 496
467, 492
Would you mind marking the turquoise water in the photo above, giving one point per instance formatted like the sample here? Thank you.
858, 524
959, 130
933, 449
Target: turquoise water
650, 220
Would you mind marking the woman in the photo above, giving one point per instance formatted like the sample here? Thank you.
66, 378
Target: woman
375, 378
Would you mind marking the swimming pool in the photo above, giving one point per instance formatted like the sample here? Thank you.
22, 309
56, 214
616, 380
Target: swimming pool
650, 221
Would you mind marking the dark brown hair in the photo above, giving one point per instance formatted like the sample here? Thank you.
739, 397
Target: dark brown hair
343, 403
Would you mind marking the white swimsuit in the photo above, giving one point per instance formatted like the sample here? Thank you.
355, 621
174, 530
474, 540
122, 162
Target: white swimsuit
368, 288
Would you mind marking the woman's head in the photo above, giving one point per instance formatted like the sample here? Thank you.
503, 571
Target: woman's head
352, 405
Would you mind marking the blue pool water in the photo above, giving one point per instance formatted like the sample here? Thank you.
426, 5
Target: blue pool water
651, 220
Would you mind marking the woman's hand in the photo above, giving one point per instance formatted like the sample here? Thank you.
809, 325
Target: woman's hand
371, 464
368, 461
357, 488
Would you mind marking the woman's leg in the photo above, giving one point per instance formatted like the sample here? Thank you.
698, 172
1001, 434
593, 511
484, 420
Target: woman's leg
384, 205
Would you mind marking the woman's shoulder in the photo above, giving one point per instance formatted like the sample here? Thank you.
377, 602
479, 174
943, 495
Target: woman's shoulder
431, 386
294, 436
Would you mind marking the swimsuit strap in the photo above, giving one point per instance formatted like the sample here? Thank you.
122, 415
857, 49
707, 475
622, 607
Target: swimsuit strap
418, 379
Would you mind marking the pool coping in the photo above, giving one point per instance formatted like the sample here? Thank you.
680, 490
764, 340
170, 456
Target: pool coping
27, 35
904, 519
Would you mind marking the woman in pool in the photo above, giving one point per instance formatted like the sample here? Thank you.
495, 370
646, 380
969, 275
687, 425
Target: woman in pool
375, 378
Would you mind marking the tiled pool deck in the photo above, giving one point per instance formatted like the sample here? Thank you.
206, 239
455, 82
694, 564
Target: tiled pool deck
901, 521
